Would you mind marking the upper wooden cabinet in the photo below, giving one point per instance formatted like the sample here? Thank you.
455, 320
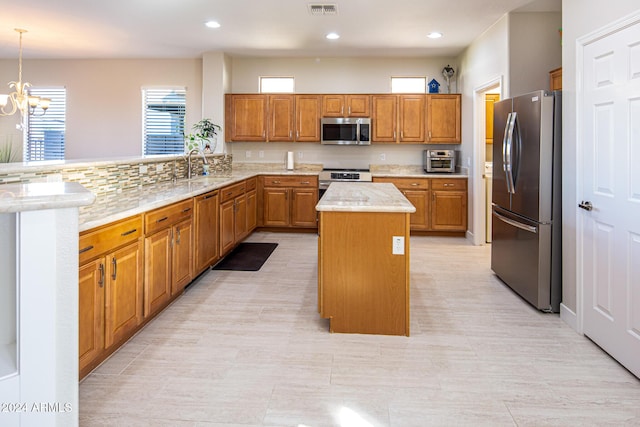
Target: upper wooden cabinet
443, 119
346, 105
398, 118
275, 118
555, 79
245, 117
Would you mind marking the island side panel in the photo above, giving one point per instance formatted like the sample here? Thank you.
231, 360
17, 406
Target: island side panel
364, 288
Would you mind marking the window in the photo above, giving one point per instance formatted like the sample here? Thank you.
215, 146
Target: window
45, 133
408, 84
276, 85
163, 121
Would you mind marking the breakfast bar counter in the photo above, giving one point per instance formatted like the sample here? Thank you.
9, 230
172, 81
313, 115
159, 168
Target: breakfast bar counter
363, 258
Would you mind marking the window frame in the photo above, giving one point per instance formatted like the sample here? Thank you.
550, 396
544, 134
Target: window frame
35, 147
423, 89
168, 143
262, 79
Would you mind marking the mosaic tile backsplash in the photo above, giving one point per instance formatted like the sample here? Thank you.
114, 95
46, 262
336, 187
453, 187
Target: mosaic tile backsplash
105, 177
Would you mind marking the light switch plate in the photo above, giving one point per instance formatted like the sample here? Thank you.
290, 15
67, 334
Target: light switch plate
398, 245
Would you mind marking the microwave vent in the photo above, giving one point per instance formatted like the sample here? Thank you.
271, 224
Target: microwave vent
323, 9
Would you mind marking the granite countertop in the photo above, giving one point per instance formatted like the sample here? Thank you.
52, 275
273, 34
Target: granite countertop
364, 197
410, 172
43, 195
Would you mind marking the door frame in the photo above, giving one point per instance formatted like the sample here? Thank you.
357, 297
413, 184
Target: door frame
583, 126
478, 181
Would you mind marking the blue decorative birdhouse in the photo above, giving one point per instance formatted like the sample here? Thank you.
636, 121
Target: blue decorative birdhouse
434, 86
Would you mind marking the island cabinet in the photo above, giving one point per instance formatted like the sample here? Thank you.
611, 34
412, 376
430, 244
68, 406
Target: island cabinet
238, 216
443, 119
289, 201
448, 204
416, 190
205, 231
110, 289
168, 253
398, 118
339, 105
363, 259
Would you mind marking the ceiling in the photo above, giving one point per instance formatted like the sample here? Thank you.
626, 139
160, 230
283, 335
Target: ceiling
175, 28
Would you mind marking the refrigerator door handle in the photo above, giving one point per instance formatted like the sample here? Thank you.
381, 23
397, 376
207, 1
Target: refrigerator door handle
507, 151
521, 226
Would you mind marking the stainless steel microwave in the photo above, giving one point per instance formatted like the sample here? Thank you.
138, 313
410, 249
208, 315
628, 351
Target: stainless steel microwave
346, 131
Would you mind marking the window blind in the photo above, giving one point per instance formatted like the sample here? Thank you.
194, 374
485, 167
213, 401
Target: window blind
163, 121
45, 134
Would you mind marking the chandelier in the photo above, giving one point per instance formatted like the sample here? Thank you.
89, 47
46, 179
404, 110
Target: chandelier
20, 100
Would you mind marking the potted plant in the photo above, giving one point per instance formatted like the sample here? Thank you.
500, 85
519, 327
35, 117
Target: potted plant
205, 130
8, 152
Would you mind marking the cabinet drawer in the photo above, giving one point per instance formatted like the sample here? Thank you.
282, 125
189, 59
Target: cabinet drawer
290, 181
251, 184
164, 217
96, 242
448, 184
232, 191
406, 183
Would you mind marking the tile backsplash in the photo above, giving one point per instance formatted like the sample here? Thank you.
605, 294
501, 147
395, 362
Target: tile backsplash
108, 176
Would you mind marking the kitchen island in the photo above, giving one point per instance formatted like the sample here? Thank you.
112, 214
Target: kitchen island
363, 258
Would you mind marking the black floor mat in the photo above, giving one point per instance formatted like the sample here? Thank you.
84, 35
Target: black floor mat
247, 256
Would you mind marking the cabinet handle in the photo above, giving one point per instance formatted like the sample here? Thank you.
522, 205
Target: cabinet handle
209, 196
229, 193
305, 183
83, 250
286, 195
429, 134
275, 182
414, 184
178, 238
126, 233
448, 185
290, 134
186, 210
101, 280
349, 111
342, 110
163, 219
402, 134
394, 135
114, 264
298, 134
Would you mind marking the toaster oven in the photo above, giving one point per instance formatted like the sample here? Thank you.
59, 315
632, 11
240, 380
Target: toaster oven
439, 161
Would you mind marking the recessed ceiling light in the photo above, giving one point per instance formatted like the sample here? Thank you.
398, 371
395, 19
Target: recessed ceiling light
212, 24
434, 35
333, 36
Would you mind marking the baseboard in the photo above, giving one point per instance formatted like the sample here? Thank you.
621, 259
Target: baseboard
569, 317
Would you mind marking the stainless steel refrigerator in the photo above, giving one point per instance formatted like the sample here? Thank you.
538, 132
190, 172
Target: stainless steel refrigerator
526, 214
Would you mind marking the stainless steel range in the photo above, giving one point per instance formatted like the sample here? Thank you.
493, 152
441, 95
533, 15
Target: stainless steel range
327, 176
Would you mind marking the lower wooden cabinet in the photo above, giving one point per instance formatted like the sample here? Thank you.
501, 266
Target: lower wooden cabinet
441, 203
205, 231
289, 201
238, 204
110, 289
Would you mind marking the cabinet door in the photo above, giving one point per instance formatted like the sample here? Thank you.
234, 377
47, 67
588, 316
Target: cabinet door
385, 112
182, 255
240, 220
157, 271
206, 231
123, 307
333, 106
252, 210
449, 211
303, 207
227, 237
308, 118
91, 282
280, 118
358, 105
420, 199
412, 115
246, 117
276, 207
443, 118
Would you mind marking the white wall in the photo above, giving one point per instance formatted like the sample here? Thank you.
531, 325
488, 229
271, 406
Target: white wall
534, 49
580, 17
104, 101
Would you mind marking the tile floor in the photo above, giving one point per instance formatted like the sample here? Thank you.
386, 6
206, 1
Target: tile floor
249, 349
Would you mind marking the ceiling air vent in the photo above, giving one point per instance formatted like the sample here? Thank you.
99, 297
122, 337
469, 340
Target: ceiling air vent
323, 9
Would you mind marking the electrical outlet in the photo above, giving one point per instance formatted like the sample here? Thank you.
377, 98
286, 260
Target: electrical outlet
247, 154
159, 167
398, 245
300, 155
143, 169
261, 154
383, 156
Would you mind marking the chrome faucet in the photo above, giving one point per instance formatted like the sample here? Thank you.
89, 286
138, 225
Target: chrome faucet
189, 165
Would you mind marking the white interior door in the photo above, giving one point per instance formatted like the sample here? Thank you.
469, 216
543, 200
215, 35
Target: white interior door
609, 121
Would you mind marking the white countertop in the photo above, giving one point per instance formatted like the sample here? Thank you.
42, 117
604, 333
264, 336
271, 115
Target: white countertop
364, 197
43, 195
